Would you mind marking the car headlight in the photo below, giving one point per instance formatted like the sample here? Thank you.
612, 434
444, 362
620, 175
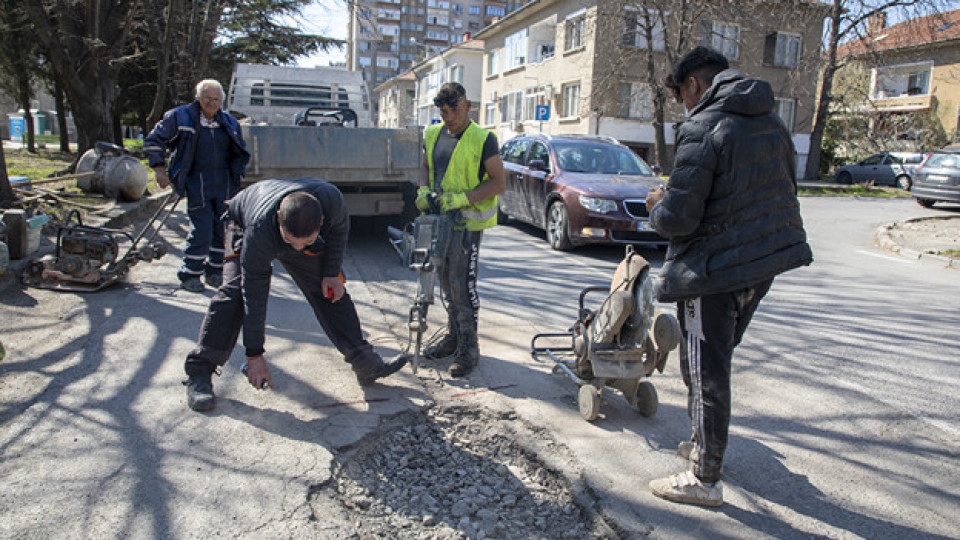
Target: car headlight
601, 206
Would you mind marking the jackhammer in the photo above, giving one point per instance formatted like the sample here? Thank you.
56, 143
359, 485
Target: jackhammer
421, 246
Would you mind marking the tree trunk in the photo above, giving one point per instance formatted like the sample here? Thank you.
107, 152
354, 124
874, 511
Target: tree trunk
6, 191
812, 170
61, 115
24, 95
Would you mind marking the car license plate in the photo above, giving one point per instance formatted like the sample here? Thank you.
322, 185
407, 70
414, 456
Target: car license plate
644, 226
938, 177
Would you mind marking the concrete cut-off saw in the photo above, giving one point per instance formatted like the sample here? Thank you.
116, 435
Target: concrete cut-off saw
87, 259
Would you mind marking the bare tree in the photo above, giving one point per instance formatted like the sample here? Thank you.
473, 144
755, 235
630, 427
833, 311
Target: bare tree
849, 20
654, 34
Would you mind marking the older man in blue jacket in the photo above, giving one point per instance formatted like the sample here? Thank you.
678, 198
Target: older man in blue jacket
207, 163
731, 213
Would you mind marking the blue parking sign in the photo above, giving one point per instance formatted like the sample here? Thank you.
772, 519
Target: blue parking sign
541, 112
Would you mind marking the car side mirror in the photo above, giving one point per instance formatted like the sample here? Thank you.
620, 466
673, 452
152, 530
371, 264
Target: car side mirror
538, 165
656, 169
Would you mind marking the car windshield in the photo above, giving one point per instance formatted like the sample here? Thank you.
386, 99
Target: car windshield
596, 157
944, 159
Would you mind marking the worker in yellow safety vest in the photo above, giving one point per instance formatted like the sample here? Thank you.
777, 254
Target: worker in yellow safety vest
463, 172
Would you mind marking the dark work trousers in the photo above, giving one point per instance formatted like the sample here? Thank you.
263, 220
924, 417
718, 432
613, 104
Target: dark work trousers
705, 365
457, 274
208, 188
224, 319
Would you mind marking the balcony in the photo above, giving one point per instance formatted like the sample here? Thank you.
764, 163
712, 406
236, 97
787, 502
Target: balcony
903, 103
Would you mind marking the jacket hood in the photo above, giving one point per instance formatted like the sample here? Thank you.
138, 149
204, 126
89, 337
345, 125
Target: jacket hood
732, 93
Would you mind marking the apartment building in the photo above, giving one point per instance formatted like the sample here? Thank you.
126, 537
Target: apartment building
599, 65
461, 63
388, 37
913, 69
397, 97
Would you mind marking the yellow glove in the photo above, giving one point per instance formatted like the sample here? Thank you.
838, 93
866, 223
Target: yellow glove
453, 201
423, 195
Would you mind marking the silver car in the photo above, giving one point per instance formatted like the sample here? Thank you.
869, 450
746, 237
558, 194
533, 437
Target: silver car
883, 169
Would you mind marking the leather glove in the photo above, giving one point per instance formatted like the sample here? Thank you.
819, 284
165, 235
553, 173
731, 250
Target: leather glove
453, 201
423, 195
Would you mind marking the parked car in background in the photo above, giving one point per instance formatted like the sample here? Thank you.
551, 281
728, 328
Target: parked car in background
580, 189
938, 179
883, 169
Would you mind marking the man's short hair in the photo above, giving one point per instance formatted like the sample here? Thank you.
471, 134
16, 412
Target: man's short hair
450, 94
207, 83
300, 214
703, 63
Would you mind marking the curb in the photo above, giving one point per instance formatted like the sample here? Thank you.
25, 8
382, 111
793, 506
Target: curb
885, 240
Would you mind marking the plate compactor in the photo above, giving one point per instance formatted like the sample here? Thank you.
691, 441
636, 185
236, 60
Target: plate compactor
619, 345
87, 259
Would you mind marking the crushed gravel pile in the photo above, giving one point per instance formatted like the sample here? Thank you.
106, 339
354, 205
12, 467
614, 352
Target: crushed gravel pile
457, 473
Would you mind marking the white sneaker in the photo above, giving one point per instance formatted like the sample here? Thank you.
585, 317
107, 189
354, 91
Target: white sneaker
686, 488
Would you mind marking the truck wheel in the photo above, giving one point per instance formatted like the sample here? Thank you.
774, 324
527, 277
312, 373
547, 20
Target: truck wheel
502, 217
926, 203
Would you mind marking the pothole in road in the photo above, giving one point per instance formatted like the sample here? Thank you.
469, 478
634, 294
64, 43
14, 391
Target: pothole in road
456, 473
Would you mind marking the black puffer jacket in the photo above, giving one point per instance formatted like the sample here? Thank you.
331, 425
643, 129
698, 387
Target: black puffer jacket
730, 209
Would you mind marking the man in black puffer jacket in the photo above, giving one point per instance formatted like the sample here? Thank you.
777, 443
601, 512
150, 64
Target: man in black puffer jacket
731, 213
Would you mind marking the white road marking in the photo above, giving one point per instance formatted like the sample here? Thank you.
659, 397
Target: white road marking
901, 260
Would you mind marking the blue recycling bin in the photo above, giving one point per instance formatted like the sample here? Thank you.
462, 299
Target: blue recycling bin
16, 127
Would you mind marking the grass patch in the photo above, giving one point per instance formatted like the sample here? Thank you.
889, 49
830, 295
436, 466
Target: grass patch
952, 253
48, 163
857, 190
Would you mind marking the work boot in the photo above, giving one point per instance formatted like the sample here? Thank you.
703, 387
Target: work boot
685, 487
466, 360
368, 374
214, 280
443, 348
193, 284
200, 395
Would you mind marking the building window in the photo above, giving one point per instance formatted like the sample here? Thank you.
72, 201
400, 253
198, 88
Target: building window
782, 50
490, 114
533, 96
571, 100
573, 31
918, 83
510, 106
496, 11
493, 62
724, 37
902, 80
786, 109
474, 10
635, 101
637, 24
515, 50
456, 74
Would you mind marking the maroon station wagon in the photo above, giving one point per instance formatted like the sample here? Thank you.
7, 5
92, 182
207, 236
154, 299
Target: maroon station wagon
580, 189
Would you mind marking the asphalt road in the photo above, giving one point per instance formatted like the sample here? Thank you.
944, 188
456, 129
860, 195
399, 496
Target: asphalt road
844, 398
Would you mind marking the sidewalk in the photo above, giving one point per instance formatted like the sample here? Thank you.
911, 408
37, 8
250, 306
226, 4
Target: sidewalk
923, 238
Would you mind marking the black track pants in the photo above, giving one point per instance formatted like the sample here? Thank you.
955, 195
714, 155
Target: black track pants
705, 359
